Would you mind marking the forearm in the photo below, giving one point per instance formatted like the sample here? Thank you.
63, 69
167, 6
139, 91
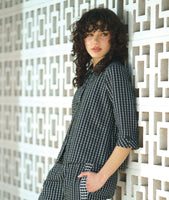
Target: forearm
115, 160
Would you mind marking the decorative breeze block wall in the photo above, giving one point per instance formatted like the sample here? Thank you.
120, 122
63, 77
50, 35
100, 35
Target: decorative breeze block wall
36, 72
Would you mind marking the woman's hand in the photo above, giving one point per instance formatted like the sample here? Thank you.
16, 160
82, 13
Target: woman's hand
94, 180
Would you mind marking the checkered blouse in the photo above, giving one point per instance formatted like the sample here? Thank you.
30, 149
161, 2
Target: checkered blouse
103, 116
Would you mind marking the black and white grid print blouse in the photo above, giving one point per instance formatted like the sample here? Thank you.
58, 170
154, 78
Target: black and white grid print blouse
103, 116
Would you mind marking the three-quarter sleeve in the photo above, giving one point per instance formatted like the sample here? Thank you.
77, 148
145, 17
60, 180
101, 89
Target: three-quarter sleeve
121, 93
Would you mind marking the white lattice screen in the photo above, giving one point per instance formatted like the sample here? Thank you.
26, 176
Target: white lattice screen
35, 92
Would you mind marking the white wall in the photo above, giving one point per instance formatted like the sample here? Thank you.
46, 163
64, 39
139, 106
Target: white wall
36, 92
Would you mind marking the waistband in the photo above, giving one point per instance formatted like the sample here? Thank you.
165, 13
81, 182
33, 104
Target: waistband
79, 164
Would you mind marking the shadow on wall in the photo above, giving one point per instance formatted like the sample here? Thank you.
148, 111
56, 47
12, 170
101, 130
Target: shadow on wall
35, 93
11, 44
20, 174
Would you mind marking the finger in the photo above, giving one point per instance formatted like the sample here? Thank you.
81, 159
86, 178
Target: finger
83, 174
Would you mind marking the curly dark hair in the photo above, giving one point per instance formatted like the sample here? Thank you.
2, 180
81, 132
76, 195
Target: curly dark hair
102, 19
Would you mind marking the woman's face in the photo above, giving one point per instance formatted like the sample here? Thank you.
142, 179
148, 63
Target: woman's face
97, 44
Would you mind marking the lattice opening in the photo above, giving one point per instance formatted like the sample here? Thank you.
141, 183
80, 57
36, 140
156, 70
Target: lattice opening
68, 21
126, 2
163, 138
144, 157
122, 176
157, 118
158, 49
162, 198
68, 77
159, 21
145, 116
16, 171
6, 195
146, 50
41, 78
29, 80
166, 186
41, 27
144, 181
167, 117
134, 156
145, 91
156, 186
167, 93
134, 181
158, 90
40, 179
166, 162
140, 73
139, 195
40, 125
141, 9
53, 127
165, 5
157, 159
54, 76
136, 26
118, 193
54, 24
136, 52
164, 70
146, 24
167, 46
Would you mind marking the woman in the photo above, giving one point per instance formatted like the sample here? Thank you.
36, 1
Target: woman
104, 125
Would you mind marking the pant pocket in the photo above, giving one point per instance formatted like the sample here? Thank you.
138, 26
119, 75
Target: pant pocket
83, 190
107, 190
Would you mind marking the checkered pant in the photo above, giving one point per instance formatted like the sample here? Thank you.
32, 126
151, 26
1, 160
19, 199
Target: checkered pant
62, 183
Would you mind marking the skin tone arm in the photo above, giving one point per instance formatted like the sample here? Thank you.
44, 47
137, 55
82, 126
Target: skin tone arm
96, 180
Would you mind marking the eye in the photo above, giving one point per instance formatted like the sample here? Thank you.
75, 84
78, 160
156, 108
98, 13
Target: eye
104, 34
89, 34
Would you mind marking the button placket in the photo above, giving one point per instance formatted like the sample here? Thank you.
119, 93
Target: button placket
77, 101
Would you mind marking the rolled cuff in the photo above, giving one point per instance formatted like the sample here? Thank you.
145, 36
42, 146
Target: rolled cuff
128, 142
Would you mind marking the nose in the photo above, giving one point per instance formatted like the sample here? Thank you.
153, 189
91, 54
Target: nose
96, 38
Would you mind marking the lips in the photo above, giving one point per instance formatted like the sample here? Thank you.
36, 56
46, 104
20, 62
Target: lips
96, 49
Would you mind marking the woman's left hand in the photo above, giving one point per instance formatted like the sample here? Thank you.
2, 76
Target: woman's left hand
94, 180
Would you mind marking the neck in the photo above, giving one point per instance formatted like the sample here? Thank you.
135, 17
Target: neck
95, 61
